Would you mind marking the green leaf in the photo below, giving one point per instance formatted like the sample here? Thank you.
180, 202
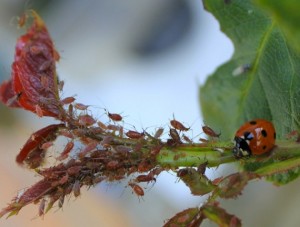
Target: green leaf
267, 88
286, 15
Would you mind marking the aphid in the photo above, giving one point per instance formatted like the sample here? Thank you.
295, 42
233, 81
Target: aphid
178, 125
241, 70
145, 178
174, 135
101, 125
86, 120
111, 165
22, 20
39, 111
76, 188
114, 116
134, 135
209, 131
203, 140
80, 106
45, 65
158, 133
68, 100
46, 145
202, 167
88, 148
254, 138
155, 150
187, 139
136, 189
42, 207
69, 146
61, 201
73, 170
60, 85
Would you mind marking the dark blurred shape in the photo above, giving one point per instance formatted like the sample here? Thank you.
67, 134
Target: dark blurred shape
169, 27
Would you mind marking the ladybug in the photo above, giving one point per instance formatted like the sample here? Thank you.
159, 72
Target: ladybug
254, 138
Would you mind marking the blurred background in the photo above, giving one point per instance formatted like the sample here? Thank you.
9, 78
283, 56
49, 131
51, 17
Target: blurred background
143, 59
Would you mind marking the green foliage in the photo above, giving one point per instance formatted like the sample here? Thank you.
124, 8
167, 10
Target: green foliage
286, 15
261, 79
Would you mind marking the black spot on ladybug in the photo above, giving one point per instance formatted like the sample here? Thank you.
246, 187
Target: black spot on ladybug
274, 135
253, 122
264, 133
264, 147
248, 135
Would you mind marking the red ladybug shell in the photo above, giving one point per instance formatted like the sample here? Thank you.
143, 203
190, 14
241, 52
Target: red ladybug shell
254, 137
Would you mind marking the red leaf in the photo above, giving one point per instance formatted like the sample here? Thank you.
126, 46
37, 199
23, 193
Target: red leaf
7, 94
34, 72
34, 144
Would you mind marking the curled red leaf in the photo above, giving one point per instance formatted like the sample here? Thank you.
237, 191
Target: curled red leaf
32, 147
34, 81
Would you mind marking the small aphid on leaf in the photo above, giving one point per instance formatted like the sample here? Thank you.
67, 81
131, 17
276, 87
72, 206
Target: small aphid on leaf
158, 133
210, 132
202, 167
69, 146
174, 135
203, 140
178, 125
134, 135
67, 100
114, 116
39, 111
88, 148
46, 145
102, 125
60, 85
241, 70
145, 178
80, 106
86, 120
136, 189
76, 188
186, 139
42, 207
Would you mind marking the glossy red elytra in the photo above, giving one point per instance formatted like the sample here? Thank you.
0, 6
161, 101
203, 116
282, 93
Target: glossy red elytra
254, 138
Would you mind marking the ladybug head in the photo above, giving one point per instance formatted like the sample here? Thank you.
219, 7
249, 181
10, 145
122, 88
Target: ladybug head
241, 148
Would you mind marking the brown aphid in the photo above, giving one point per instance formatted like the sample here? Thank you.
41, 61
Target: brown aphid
80, 106
178, 125
144, 166
66, 151
187, 139
22, 20
111, 165
203, 140
46, 145
102, 125
114, 116
86, 120
202, 167
67, 100
155, 150
174, 135
61, 201
88, 148
145, 178
158, 133
42, 207
134, 135
76, 188
136, 189
39, 111
209, 131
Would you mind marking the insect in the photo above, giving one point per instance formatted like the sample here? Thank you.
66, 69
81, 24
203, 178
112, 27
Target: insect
178, 125
134, 135
136, 189
209, 131
254, 138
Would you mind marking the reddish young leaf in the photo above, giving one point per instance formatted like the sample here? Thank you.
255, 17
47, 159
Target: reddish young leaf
36, 140
219, 216
190, 217
34, 76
